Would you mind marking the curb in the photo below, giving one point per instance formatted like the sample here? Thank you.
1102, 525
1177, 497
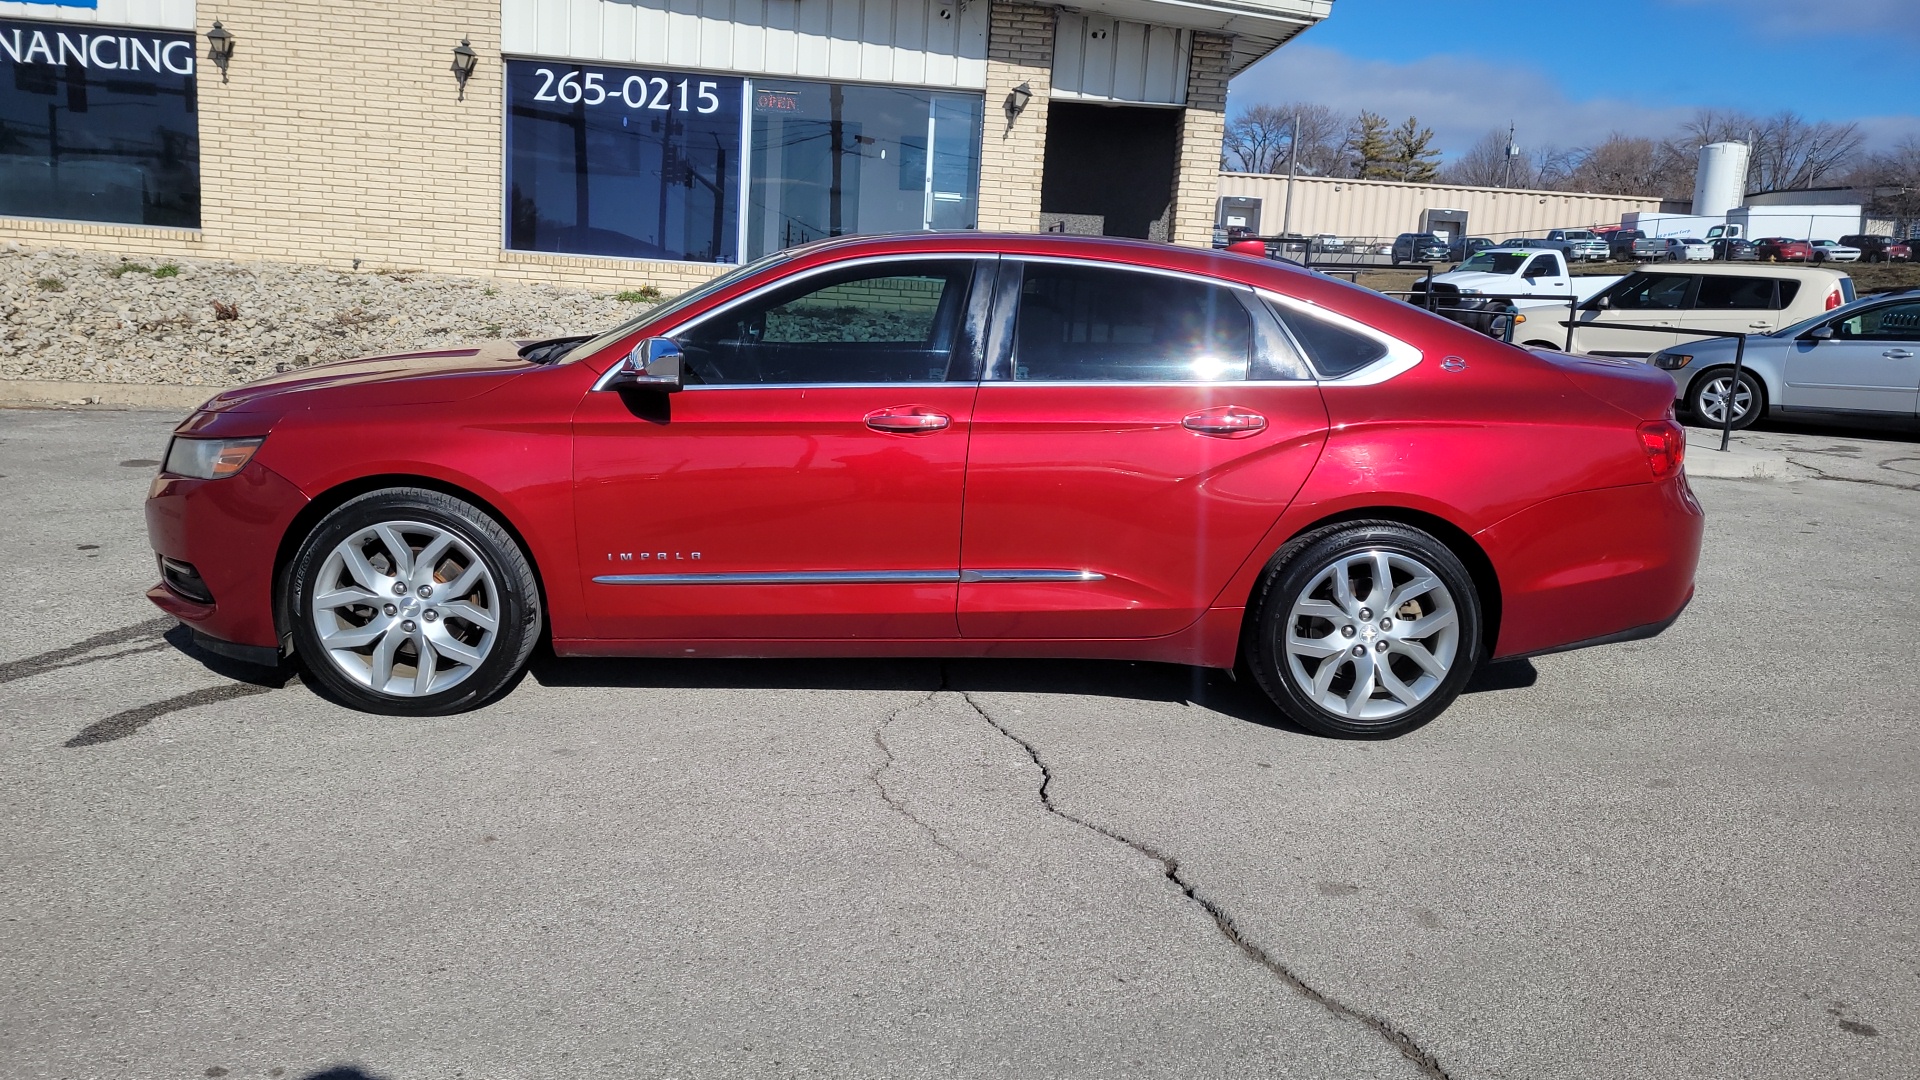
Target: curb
17, 392
1705, 460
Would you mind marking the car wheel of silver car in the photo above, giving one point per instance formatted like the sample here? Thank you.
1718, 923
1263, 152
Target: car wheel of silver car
412, 602
1367, 629
1707, 401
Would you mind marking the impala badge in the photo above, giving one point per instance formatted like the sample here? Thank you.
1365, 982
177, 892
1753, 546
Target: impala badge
653, 556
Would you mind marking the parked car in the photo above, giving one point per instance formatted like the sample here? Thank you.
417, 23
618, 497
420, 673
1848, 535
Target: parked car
1734, 249
1782, 249
1679, 296
1464, 249
1419, 248
1327, 242
944, 445
1880, 248
1582, 244
1833, 251
1688, 249
1860, 360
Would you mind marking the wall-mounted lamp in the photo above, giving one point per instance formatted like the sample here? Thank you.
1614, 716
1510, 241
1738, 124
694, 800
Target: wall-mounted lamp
464, 61
220, 47
1018, 99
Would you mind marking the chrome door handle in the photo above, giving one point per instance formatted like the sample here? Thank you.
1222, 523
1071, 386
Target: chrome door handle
908, 420
1229, 420
1759, 326
1897, 354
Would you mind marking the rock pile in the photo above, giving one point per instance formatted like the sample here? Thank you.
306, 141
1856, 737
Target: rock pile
96, 317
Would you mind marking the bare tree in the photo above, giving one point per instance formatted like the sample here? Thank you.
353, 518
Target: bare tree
1630, 165
1892, 179
1260, 140
1787, 151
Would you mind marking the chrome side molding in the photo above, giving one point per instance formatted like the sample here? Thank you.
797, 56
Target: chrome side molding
852, 577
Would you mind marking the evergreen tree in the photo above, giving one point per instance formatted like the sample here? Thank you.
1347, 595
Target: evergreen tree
1369, 148
1413, 157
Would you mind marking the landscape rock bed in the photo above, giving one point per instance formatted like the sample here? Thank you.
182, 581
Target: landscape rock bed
97, 317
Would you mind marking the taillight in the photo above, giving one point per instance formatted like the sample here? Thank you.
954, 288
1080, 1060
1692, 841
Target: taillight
1665, 444
1833, 299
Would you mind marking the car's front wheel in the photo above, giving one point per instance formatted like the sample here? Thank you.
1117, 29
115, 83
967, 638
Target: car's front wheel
412, 602
1708, 399
1367, 629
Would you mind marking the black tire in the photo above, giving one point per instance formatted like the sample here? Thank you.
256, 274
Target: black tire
1302, 563
514, 600
1704, 385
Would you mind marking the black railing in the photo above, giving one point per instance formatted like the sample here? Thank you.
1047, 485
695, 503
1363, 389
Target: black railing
1733, 384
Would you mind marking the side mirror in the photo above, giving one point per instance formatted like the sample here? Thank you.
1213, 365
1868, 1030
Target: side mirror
1820, 333
654, 364
1603, 302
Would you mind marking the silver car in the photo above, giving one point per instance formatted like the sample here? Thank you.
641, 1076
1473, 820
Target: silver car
1860, 359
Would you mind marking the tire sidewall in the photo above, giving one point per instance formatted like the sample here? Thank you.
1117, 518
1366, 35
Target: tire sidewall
519, 607
1294, 572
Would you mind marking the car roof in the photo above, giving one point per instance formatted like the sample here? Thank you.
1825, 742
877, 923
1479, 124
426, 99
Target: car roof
1814, 273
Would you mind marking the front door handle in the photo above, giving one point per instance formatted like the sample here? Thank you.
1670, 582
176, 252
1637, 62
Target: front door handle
1227, 420
1897, 354
1759, 326
908, 420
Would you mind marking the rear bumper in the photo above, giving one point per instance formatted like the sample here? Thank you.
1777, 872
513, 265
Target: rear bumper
229, 531
1595, 567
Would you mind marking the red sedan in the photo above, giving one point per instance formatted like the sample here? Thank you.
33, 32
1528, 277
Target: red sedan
1783, 249
945, 445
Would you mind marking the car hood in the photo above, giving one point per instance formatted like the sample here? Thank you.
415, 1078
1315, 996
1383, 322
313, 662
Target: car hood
1475, 279
412, 378
1642, 391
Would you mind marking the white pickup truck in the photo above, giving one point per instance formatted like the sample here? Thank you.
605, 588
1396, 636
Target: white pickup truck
1508, 273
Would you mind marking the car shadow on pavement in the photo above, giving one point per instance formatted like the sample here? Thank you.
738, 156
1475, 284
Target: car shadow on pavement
274, 678
1219, 691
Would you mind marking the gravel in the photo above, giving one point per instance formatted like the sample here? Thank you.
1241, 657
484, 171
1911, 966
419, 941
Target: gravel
98, 317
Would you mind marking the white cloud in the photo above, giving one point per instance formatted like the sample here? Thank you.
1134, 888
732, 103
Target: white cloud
1460, 98
1795, 20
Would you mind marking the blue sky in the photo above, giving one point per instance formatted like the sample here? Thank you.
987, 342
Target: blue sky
1570, 71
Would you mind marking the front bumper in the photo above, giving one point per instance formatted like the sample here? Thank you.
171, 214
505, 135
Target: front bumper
1595, 566
229, 532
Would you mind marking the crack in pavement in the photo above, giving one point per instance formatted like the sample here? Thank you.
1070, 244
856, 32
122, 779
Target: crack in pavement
128, 721
886, 762
65, 656
1822, 474
1400, 1040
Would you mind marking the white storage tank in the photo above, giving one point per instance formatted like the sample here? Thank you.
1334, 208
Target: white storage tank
1721, 183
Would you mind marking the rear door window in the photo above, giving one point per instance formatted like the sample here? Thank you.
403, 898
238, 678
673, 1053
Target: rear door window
1335, 350
1724, 292
1103, 324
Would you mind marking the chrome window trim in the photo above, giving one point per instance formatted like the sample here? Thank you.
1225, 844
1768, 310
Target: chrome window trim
852, 577
802, 275
1401, 357
1160, 384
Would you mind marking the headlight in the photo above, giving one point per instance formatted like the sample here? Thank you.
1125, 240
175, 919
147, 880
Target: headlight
209, 459
1671, 361
1469, 292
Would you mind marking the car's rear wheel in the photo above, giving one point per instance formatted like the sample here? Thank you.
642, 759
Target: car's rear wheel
1707, 401
1364, 630
412, 602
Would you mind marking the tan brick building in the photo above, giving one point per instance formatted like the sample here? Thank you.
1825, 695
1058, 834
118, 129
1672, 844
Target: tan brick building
609, 142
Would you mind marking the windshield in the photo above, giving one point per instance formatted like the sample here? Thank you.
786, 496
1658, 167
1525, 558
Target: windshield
1495, 262
662, 310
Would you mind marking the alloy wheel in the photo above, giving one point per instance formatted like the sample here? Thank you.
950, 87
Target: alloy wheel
1372, 635
1711, 402
405, 608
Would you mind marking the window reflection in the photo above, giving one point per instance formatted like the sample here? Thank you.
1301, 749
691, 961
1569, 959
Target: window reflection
830, 159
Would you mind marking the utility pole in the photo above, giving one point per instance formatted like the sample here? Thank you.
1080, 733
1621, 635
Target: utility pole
1513, 151
1293, 170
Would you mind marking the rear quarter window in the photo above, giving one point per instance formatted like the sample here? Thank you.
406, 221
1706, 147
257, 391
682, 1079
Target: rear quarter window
1333, 350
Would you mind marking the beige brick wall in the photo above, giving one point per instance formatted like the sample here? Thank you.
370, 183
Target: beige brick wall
1203, 126
1013, 150
340, 135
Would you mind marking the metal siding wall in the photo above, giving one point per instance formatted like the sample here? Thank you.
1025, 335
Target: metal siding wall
1383, 208
903, 42
159, 14
1130, 61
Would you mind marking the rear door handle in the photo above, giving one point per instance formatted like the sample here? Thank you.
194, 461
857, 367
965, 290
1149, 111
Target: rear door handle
1759, 326
1897, 354
1226, 420
908, 420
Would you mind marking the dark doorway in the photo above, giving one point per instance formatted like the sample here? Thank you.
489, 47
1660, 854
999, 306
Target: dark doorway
1115, 162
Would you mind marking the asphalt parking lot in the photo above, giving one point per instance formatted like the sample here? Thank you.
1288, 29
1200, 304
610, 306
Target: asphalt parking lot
1695, 856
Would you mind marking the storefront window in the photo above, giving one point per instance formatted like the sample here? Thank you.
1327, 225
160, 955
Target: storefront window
834, 158
98, 124
623, 161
